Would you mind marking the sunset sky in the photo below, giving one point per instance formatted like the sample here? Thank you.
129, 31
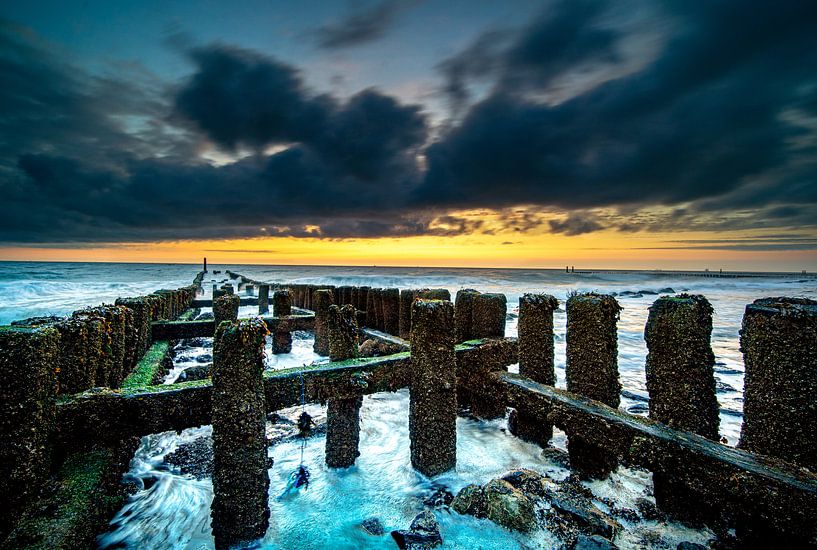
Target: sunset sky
626, 134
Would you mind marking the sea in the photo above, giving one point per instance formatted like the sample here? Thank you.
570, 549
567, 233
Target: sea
171, 509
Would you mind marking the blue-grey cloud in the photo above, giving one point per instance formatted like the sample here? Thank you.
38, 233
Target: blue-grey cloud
361, 26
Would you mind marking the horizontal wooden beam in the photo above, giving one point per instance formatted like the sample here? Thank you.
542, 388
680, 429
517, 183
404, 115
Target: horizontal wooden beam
176, 330
105, 416
753, 491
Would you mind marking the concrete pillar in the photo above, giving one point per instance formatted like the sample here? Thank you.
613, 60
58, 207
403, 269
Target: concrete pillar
322, 299
225, 308
281, 307
592, 371
27, 415
406, 298
681, 383
489, 312
263, 299
463, 314
536, 360
342, 414
779, 343
433, 397
391, 311
240, 511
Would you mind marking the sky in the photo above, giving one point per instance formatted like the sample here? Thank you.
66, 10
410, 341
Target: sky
601, 134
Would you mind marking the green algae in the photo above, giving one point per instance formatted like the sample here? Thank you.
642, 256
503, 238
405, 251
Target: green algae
147, 367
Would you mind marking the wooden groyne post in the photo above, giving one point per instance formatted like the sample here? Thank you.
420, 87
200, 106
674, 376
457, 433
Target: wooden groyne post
433, 393
240, 510
342, 413
592, 371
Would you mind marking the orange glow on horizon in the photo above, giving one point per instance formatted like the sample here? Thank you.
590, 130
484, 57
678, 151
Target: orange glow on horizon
598, 250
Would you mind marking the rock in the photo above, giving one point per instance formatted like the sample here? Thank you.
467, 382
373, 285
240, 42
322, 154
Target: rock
205, 316
582, 511
195, 373
378, 348
440, 497
470, 500
423, 533
627, 514
647, 509
593, 542
194, 458
508, 506
686, 545
373, 526
529, 482
204, 358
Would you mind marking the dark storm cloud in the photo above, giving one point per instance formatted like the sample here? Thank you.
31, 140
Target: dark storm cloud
705, 118
714, 120
576, 223
361, 26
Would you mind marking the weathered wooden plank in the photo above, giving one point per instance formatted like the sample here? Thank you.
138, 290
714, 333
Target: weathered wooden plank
175, 330
104, 415
758, 494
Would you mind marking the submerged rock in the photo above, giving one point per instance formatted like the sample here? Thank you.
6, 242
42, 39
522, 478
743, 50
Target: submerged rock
470, 501
529, 482
440, 497
593, 542
509, 507
581, 510
373, 526
423, 533
194, 458
195, 373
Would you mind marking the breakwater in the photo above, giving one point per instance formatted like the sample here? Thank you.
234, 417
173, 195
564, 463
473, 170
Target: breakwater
105, 417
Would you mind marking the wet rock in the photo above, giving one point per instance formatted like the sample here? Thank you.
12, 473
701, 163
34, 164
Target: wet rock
194, 458
593, 542
627, 514
638, 408
204, 358
205, 316
195, 373
440, 497
423, 533
470, 500
378, 348
529, 482
508, 506
723, 387
647, 509
686, 545
557, 456
373, 526
582, 511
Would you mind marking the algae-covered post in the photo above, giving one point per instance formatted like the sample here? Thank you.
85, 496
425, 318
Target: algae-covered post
321, 299
463, 314
27, 391
225, 308
433, 397
488, 315
681, 383
342, 413
263, 299
536, 361
240, 511
592, 371
779, 343
281, 307
391, 310
377, 295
